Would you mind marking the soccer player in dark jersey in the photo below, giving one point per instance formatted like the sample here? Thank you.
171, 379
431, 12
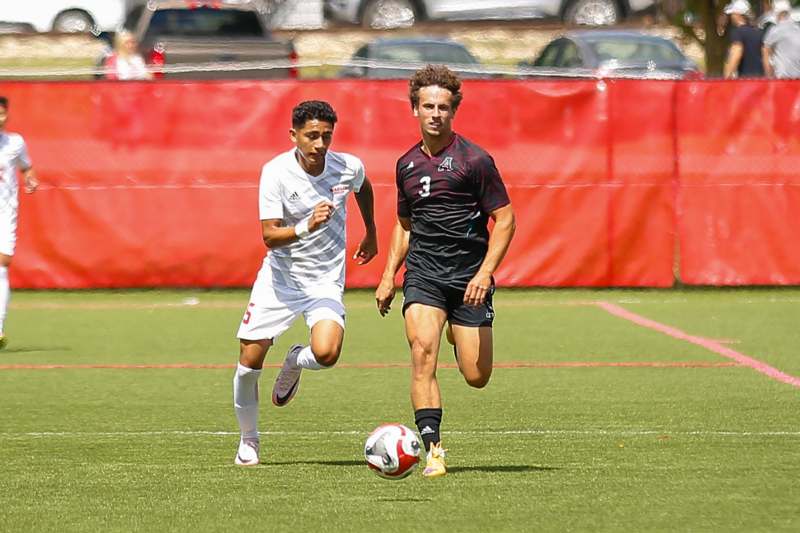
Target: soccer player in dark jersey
447, 189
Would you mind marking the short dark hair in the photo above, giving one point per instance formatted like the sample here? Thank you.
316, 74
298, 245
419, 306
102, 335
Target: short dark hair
434, 75
4, 102
313, 110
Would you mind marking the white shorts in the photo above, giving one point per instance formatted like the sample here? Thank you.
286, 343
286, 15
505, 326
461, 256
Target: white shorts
271, 311
8, 232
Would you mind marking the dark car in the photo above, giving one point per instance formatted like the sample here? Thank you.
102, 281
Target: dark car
393, 58
210, 39
611, 53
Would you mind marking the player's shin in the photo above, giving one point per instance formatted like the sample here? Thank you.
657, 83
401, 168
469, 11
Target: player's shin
245, 400
5, 296
428, 421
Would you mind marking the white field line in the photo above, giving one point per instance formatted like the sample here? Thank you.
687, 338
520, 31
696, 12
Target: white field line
347, 433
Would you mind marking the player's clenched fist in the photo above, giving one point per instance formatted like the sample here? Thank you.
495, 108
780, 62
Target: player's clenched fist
323, 212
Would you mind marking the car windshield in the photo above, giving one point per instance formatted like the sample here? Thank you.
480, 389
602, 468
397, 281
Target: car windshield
636, 51
205, 22
425, 53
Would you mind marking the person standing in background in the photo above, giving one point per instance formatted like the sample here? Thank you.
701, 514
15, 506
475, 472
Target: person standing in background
125, 62
744, 52
781, 50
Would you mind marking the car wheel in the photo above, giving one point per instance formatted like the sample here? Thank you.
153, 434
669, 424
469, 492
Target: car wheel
73, 21
593, 13
387, 14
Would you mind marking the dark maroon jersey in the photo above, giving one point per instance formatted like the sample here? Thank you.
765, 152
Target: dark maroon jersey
448, 198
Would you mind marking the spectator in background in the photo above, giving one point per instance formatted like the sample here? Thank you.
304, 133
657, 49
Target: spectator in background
125, 62
745, 40
781, 50
13, 158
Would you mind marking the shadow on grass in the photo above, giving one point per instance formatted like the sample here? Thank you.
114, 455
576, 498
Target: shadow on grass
450, 470
323, 463
412, 500
35, 349
500, 468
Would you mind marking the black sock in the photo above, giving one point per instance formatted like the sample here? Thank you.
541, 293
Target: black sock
428, 422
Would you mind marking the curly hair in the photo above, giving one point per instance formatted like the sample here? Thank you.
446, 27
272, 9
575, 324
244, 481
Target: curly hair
434, 75
313, 110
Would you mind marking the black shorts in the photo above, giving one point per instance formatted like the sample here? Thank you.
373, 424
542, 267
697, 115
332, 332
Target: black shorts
416, 291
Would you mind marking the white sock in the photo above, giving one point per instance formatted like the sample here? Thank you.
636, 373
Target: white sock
245, 400
306, 359
5, 295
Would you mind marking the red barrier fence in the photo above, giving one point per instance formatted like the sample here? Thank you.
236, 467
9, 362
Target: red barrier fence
155, 184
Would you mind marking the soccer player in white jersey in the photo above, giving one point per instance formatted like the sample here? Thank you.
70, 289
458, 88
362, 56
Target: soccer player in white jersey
13, 158
302, 203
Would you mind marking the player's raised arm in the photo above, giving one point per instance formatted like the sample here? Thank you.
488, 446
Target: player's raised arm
277, 235
368, 248
398, 249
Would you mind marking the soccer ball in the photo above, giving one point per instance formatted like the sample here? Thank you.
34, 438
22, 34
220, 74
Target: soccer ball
392, 451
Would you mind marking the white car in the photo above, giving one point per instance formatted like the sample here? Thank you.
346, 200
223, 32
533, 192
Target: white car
65, 15
383, 14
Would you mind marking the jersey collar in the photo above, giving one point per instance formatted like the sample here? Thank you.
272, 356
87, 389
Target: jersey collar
455, 135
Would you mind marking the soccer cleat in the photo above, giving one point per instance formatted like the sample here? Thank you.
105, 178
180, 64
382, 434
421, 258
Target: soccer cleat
436, 466
247, 455
3, 341
288, 379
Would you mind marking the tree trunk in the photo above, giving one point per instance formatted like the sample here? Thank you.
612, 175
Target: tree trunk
699, 19
715, 44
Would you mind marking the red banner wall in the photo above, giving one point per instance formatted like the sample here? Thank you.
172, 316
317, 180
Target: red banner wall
739, 203
155, 184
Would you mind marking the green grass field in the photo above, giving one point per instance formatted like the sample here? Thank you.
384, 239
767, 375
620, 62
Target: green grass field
592, 421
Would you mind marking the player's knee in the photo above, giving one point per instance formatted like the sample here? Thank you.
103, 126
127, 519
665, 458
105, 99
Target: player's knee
328, 356
252, 353
477, 379
423, 351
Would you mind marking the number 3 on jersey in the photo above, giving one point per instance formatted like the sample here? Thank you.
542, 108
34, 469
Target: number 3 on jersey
426, 186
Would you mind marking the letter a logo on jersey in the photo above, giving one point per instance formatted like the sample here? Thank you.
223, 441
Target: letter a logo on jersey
446, 165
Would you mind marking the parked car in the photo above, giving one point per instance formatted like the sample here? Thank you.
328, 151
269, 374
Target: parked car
392, 58
205, 39
611, 53
383, 14
65, 15
768, 18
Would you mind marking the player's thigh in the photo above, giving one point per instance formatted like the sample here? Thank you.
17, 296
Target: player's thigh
327, 337
253, 352
8, 237
325, 317
425, 312
474, 346
268, 315
424, 324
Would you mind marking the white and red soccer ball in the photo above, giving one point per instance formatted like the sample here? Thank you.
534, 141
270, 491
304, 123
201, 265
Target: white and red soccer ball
392, 451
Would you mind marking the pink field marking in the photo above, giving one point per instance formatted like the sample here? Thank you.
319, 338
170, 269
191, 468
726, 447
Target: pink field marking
510, 364
708, 344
